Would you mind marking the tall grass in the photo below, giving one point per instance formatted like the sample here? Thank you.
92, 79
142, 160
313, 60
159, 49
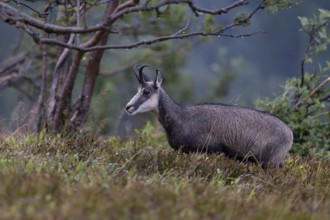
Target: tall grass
87, 177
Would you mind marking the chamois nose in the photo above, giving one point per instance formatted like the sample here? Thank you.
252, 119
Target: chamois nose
129, 108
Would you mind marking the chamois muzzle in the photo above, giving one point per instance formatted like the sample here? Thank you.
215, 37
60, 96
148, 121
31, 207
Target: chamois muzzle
130, 109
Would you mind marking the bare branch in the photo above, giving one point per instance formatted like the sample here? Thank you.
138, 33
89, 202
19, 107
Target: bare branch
14, 69
190, 3
144, 42
6, 65
78, 20
124, 5
303, 60
29, 30
185, 28
312, 92
243, 35
220, 11
259, 7
12, 15
41, 15
180, 34
64, 53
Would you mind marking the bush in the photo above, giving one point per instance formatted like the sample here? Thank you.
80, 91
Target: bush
305, 102
310, 121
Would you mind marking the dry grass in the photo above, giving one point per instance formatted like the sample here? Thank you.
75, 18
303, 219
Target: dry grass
85, 177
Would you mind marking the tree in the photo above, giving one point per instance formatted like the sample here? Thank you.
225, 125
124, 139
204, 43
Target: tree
67, 33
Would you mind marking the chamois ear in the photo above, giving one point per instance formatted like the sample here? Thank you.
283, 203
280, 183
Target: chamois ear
158, 80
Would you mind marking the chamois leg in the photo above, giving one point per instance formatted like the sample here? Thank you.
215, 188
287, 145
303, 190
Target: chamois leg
272, 156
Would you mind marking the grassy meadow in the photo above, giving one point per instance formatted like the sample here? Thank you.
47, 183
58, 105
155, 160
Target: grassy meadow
88, 177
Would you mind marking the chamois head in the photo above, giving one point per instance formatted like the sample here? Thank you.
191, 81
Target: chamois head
147, 97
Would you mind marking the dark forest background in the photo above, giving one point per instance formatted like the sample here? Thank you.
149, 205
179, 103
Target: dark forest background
216, 69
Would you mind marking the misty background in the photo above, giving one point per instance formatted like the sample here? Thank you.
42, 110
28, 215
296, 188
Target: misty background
228, 70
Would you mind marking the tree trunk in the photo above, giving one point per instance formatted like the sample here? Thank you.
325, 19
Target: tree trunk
64, 103
60, 112
61, 70
40, 105
81, 108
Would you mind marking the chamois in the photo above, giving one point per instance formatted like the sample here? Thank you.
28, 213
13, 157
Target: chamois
239, 132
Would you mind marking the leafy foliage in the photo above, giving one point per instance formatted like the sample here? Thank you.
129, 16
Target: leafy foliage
243, 19
317, 28
304, 103
274, 6
310, 122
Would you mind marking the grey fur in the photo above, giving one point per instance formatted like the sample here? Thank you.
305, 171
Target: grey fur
241, 133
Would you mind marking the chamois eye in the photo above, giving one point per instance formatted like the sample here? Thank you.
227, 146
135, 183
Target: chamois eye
146, 92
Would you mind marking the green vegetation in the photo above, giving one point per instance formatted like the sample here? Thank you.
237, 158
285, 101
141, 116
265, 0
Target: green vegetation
305, 102
84, 177
310, 121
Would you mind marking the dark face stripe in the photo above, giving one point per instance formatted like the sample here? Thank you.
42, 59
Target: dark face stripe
140, 101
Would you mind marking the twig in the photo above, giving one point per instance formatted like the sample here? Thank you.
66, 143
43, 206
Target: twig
41, 15
29, 30
124, 5
64, 53
11, 62
193, 7
307, 51
12, 15
244, 35
312, 92
78, 20
220, 11
13, 75
143, 42
178, 35
185, 28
